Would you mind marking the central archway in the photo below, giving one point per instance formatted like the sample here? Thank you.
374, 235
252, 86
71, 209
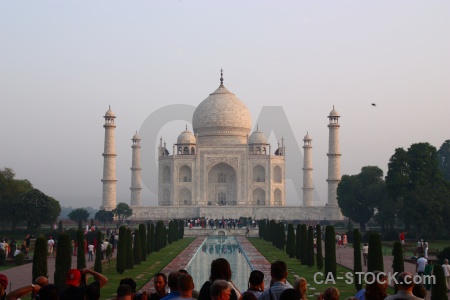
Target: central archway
222, 186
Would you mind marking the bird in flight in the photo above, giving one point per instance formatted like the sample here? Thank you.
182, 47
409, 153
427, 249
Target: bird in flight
373, 104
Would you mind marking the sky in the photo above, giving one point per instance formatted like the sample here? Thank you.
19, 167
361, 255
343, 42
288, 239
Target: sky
63, 63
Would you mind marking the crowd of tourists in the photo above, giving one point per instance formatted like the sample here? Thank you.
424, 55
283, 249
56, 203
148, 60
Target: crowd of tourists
13, 248
181, 286
224, 223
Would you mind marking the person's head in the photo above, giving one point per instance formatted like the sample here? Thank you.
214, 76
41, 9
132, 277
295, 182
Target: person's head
220, 290
185, 284
173, 281
160, 282
130, 282
48, 292
331, 293
124, 292
256, 280
290, 294
419, 290
73, 278
92, 292
248, 296
301, 285
220, 269
278, 270
446, 261
3, 284
405, 281
376, 286
365, 244
41, 281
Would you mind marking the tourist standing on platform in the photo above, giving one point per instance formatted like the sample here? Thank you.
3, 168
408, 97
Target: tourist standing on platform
278, 271
344, 240
365, 252
160, 283
50, 244
446, 268
91, 252
420, 265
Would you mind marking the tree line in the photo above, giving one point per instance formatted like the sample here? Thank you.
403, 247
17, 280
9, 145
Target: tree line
415, 191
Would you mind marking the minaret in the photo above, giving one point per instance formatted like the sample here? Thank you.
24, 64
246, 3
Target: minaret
334, 158
109, 163
308, 185
136, 171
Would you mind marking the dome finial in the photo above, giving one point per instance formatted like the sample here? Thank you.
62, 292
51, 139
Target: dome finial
221, 76
186, 126
257, 127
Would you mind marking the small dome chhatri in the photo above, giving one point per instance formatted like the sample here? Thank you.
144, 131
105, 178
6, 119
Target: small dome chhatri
257, 137
186, 137
110, 113
334, 113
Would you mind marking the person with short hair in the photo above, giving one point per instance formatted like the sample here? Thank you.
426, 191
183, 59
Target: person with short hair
256, 283
50, 244
124, 292
220, 290
405, 286
172, 282
278, 271
420, 265
48, 292
159, 283
185, 287
220, 269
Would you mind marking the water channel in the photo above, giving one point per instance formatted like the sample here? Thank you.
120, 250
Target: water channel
225, 247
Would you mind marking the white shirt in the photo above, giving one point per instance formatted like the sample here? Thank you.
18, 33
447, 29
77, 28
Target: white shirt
421, 263
365, 249
446, 270
51, 242
91, 248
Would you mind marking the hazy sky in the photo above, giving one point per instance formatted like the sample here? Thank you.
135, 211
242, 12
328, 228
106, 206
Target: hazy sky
63, 62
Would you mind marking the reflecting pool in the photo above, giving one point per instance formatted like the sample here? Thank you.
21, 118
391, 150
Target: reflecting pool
220, 246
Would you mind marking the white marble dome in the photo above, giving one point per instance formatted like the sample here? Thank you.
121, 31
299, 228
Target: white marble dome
186, 137
257, 137
110, 113
222, 114
136, 136
334, 113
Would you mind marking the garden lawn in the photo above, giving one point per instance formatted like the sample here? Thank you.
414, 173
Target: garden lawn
295, 268
142, 273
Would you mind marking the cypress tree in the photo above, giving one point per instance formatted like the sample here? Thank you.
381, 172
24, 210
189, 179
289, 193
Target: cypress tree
439, 288
181, 224
149, 239
143, 236
298, 242
330, 251
121, 250
290, 243
357, 265
152, 239
98, 253
81, 257
60, 228
40, 258
158, 238
310, 247
375, 256
63, 260
129, 261
137, 248
80, 224
304, 243
272, 233
398, 263
281, 236
319, 256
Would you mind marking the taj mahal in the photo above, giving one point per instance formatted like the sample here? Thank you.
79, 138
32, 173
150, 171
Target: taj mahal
223, 169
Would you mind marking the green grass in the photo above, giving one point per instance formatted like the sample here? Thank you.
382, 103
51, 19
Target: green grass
295, 268
142, 273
